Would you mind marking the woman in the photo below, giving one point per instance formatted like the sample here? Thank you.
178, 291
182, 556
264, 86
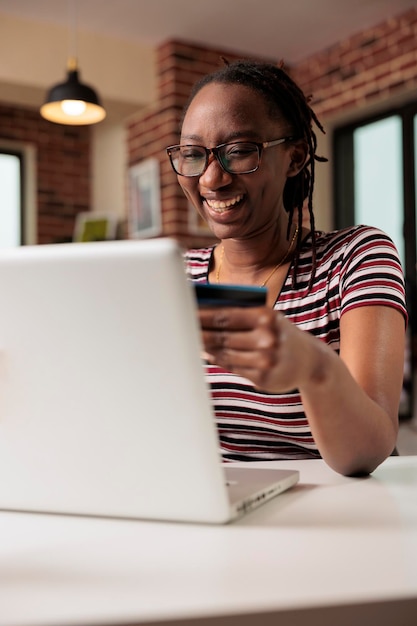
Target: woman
318, 371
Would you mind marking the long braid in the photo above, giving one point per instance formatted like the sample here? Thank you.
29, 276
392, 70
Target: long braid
283, 97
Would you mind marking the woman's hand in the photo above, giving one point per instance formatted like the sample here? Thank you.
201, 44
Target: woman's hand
257, 343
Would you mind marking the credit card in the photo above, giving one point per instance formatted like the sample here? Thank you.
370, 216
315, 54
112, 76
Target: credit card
213, 295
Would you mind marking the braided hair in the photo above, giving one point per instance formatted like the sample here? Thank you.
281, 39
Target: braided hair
283, 97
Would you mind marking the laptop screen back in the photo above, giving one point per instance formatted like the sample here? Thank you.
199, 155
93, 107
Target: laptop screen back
103, 405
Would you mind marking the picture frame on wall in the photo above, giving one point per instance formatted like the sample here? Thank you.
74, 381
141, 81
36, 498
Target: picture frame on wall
94, 227
144, 218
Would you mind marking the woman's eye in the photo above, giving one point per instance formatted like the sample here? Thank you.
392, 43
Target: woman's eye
240, 151
190, 155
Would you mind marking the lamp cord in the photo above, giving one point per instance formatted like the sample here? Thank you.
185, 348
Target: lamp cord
72, 34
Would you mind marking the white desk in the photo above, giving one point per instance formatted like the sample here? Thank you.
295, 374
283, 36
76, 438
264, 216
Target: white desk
333, 550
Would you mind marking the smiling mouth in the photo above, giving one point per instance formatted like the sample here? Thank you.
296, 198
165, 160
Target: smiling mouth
219, 206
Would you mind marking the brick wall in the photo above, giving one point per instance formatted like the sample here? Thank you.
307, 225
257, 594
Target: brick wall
371, 65
374, 64
63, 169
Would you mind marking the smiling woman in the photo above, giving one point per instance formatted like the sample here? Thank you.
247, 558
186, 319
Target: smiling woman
317, 372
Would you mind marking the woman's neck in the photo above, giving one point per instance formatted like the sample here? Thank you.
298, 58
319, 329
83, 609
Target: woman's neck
250, 261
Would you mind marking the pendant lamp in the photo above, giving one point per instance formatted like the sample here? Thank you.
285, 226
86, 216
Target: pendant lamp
73, 102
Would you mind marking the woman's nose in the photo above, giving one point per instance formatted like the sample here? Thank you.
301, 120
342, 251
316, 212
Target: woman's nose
214, 176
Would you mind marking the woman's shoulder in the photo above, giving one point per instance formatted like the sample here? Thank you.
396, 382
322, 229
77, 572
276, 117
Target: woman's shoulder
352, 238
341, 250
203, 254
348, 235
197, 261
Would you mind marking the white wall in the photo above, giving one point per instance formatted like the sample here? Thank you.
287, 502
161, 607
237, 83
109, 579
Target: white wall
33, 57
109, 166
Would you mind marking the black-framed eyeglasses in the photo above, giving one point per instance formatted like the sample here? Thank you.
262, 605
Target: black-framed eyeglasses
238, 157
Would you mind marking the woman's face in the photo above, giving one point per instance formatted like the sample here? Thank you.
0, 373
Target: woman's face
237, 205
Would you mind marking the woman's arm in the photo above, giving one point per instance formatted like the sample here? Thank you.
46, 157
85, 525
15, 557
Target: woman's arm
351, 401
353, 412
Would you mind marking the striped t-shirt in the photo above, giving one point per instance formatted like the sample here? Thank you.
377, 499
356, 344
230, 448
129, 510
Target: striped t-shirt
356, 266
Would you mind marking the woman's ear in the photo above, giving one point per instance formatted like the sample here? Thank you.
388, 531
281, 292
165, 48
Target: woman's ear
298, 154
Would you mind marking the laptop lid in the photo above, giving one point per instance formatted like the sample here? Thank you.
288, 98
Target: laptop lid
103, 405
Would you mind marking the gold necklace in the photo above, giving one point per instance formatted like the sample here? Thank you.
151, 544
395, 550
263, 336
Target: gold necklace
284, 258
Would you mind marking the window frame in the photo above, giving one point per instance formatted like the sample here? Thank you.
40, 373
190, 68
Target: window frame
344, 198
29, 187
20, 156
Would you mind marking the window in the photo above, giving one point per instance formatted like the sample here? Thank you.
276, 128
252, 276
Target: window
377, 170
11, 214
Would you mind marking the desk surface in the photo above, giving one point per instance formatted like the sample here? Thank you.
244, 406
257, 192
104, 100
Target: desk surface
329, 550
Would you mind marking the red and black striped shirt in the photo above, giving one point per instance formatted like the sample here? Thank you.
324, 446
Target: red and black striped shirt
356, 266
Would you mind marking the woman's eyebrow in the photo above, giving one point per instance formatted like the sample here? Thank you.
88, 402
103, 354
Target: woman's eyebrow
191, 138
251, 135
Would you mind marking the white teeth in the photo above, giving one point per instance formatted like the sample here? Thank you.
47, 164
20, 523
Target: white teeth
220, 205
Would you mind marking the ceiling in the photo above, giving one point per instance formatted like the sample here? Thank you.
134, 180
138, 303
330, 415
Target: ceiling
286, 29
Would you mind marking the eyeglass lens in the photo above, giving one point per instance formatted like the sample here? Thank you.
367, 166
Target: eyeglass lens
236, 158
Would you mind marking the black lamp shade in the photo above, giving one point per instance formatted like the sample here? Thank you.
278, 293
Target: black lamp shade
73, 103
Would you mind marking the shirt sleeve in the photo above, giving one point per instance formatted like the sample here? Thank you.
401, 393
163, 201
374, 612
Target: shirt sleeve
371, 272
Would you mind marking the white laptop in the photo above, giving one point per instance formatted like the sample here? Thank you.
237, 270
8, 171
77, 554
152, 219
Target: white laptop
104, 409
